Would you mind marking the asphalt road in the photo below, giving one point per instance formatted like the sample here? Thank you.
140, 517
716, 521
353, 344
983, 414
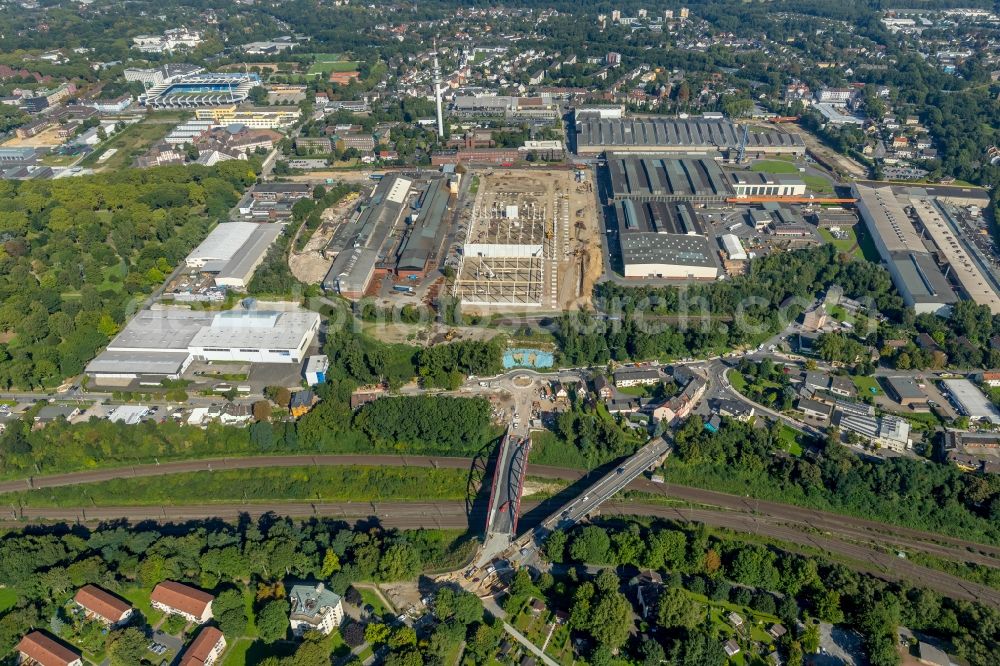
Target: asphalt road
774, 513
452, 515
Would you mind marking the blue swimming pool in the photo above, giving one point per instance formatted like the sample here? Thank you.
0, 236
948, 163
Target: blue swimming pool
527, 358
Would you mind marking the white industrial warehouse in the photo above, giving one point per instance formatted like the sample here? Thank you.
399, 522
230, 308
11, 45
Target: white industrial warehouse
232, 252
160, 344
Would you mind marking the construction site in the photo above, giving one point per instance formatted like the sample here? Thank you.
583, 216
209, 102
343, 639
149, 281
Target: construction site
532, 242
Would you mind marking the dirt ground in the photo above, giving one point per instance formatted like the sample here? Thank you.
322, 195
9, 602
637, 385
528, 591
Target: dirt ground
583, 266
320, 177
849, 166
47, 139
572, 243
428, 334
309, 265
402, 595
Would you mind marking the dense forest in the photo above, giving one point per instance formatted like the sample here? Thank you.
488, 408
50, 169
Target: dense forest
79, 253
701, 570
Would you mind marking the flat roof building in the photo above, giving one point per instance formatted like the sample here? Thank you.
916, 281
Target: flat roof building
677, 135
314, 608
905, 391
664, 240
361, 244
970, 401
757, 184
162, 343
233, 251
424, 235
975, 279
668, 179
913, 270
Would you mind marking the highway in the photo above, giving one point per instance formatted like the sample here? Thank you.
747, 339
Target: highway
452, 515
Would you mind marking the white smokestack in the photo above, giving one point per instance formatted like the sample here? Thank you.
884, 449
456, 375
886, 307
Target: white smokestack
437, 92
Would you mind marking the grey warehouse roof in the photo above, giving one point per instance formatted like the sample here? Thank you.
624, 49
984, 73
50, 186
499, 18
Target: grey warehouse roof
161, 330
673, 134
674, 249
668, 178
137, 362
256, 330
923, 279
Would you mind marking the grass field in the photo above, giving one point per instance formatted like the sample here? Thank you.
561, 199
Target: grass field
867, 386
773, 166
8, 598
817, 184
848, 244
789, 439
130, 143
548, 449
139, 597
261, 485
867, 245
332, 62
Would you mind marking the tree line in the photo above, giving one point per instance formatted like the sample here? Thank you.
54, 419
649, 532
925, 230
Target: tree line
740, 458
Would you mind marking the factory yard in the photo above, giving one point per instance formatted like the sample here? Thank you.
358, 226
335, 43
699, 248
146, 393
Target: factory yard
532, 242
310, 265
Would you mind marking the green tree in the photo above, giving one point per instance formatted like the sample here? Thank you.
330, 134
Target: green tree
272, 621
230, 611
127, 647
677, 609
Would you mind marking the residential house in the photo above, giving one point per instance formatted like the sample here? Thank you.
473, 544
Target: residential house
559, 390
314, 608
842, 386
301, 403
815, 409
40, 649
735, 619
648, 590
679, 407
731, 647
815, 319
537, 607
735, 410
602, 387
100, 605
234, 414
179, 599
777, 631
626, 377
990, 378
816, 381
205, 649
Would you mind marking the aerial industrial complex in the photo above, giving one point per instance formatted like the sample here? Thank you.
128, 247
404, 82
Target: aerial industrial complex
399, 231
687, 136
920, 244
664, 240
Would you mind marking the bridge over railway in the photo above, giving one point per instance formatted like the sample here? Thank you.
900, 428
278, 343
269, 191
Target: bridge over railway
502, 542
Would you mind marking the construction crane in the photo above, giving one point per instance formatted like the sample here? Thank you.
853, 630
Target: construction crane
741, 155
